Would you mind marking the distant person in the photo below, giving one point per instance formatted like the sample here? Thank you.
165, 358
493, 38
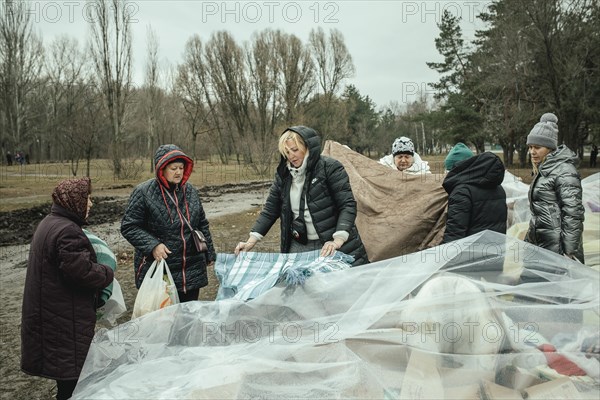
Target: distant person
61, 290
157, 223
593, 156
476, 199
404, 158
557, 211
9, 160
312, 198
458, 152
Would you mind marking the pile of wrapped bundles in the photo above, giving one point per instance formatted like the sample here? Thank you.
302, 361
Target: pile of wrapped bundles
486, 317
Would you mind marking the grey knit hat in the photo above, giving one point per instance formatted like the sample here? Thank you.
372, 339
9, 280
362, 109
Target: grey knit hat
545, 132
403, 145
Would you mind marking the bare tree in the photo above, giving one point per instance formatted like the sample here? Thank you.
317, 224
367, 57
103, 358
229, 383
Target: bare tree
297, 74
200, 108
333, 62
264, 76
333, 65
230, 88
111, 53
91, 120
66, 86
21, 55
154, 94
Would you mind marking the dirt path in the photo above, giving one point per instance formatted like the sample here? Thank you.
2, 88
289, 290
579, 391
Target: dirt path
231, 211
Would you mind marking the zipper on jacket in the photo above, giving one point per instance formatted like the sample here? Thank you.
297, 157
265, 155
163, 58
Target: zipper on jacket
140, 267
181, 231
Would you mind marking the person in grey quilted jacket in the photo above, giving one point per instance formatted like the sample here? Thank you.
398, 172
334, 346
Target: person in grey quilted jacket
557, 211
155, 224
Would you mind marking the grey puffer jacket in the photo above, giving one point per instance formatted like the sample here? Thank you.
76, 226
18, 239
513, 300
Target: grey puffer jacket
329, 199
557, 211
152, 217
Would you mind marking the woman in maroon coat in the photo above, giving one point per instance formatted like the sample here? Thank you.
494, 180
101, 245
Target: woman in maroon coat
61, 289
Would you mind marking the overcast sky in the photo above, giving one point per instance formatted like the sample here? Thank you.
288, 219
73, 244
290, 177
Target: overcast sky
390, 41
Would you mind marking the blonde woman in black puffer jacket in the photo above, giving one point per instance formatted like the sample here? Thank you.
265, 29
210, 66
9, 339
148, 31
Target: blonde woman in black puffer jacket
557, 211
327, 217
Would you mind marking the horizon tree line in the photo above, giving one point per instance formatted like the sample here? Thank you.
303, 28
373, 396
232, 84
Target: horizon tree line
230, 101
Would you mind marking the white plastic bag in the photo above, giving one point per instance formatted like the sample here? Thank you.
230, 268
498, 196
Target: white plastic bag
113, 308
157, 290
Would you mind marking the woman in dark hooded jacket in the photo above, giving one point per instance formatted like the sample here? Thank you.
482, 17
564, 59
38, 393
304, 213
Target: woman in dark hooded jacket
155, 224
62, 288
325, 218
476, 199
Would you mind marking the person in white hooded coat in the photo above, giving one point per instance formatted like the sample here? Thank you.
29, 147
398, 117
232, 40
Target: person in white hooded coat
404, 158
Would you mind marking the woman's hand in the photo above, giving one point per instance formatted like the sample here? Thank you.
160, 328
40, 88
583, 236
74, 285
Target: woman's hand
160, 252
330, 247
244, 246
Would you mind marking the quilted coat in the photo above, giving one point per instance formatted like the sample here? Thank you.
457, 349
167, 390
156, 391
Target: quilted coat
60, 297
557, 211
476, 199
329, 198
153, 217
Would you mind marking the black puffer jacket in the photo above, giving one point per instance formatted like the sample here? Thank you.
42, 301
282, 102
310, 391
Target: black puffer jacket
329, 198
476, 199
557, 211
152, 218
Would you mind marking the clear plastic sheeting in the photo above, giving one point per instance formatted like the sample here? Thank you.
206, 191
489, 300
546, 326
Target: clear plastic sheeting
488, 317
516, 199
591, 193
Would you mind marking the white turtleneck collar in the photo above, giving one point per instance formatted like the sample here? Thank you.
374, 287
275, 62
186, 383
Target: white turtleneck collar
299, 172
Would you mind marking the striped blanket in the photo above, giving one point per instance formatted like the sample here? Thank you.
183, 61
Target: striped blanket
248, 275
104, 256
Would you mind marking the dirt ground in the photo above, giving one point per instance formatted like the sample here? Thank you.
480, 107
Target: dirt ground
231, 210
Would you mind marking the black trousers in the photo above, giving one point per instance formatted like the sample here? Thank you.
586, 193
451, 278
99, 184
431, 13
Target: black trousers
191, 295
65, 389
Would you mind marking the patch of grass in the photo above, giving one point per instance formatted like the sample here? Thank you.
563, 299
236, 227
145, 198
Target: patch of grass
32, 184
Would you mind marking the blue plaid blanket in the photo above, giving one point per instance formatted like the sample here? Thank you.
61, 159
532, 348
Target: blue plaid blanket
250, 274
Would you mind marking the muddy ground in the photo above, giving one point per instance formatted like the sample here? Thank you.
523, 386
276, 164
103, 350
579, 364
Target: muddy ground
231, 210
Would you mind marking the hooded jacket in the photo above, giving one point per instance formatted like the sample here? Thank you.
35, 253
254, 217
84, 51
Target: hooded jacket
152, 217
329, 198
556, 206
476, 199
60, 297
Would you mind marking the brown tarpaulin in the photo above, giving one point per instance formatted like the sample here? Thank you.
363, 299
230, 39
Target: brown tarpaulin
398, 213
